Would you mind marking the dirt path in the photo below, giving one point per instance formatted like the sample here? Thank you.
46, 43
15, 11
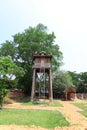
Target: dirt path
72, 114
77, 121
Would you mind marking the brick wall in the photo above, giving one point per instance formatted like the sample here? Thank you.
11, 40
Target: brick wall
81, 95
16, 93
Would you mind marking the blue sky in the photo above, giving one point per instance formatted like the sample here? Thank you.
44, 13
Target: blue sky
66, 18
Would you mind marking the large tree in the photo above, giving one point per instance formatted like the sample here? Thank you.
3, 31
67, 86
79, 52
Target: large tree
27, 44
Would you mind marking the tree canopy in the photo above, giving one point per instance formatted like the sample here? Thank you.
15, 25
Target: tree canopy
9, 69
27, 44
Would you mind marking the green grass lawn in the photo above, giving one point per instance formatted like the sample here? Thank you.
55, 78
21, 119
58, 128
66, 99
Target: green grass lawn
55, 103
43, 118
83, 106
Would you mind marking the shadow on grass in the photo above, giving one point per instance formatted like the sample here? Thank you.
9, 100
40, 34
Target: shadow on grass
37, 102
54, 103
